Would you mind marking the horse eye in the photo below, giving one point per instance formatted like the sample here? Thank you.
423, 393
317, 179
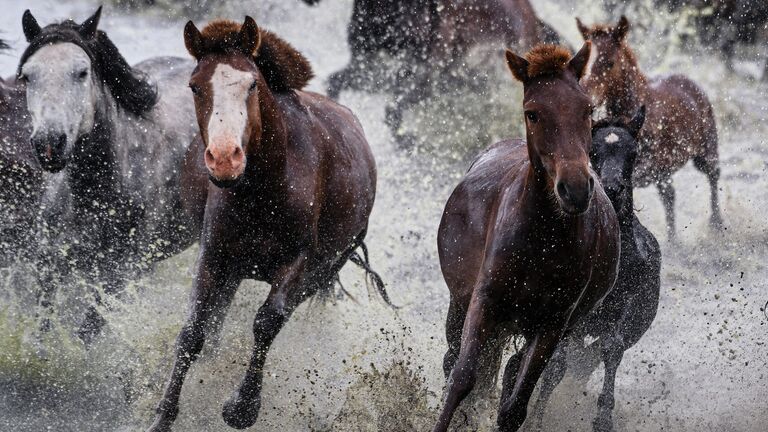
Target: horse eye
252, 87
23, 78
532, 116
195, 89
82, 74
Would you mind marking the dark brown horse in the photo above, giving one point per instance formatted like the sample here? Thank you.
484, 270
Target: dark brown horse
292, 185
20, 175
434, 32
680, 125
529, 242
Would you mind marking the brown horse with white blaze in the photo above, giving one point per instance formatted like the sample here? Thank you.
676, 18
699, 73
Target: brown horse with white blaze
680, 124
292, 186
529, 242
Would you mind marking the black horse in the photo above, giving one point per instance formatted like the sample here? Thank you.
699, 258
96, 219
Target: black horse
628, 311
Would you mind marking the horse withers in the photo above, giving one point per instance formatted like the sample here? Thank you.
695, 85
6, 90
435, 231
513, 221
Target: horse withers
292, 184
627, 312
680, 125
529, 242
113, 136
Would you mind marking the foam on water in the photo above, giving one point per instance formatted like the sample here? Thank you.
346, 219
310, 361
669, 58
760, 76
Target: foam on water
358, 365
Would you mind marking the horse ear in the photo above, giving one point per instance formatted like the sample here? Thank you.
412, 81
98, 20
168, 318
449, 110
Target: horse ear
518, 66
89, 27
30, 26
193, 40
250, 36
580, 62
622, 28
584, 30
637, 122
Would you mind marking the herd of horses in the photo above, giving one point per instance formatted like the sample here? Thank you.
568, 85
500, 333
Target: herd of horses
108, 168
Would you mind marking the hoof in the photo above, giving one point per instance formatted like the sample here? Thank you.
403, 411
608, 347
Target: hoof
716, 222
602, 425
241, 413
160, 425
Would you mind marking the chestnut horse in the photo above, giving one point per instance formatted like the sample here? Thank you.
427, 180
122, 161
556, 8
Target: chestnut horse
628, 311
680, 125
292, 186
20, 175
529, 242
438, 32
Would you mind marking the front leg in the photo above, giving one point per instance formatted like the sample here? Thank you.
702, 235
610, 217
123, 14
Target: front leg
289, 289
213, 286
478, 325
523, 372
667, 192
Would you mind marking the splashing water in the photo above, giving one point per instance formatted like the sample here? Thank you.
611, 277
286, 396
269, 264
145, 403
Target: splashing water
344, 365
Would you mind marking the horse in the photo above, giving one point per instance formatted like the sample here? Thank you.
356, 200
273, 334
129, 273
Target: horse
528, 242
20, 175
292, 184
113, 138
435, 32
680, 125
627, 312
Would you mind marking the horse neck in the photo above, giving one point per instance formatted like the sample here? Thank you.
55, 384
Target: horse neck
268, 165
631, 90
93, 171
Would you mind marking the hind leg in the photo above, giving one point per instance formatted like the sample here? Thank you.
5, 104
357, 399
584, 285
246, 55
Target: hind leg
553, 374
711, 168
667, 192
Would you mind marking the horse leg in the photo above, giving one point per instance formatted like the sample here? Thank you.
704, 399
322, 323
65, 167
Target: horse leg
553, 374
209, 286
667, 192
613, 351
521, 375
711, 169
288, 291
478, 324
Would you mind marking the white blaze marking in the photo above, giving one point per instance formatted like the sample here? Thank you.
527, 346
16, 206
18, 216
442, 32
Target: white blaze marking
612, 138
229, 112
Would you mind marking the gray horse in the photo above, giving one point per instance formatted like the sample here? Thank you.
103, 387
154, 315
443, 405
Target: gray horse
114, 137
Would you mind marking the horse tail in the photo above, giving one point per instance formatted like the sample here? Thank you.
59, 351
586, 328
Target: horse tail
371, 276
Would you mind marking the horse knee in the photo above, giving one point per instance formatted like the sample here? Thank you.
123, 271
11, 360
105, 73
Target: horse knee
191, 340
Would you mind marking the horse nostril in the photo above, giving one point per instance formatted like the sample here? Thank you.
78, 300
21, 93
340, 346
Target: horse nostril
562, 190
209, 157
62, 141
591, 184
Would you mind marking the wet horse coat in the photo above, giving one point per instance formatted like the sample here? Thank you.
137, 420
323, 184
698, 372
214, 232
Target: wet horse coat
292, 186
113, 136
528, 242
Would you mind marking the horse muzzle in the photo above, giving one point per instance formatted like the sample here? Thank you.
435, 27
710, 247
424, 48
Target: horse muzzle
574, 196
51, 150
225, 164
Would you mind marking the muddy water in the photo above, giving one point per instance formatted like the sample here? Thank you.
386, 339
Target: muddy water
356, 365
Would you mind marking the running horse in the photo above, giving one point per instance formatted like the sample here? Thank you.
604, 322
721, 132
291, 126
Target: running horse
628, 311
528, 242
680, 125
439, 33
113, 137
292, 184
20, 175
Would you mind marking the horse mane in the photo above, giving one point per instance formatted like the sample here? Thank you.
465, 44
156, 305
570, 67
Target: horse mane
283, 67
131, 88
546, 59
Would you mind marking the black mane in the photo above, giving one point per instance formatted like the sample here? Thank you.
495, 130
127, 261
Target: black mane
130, 88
